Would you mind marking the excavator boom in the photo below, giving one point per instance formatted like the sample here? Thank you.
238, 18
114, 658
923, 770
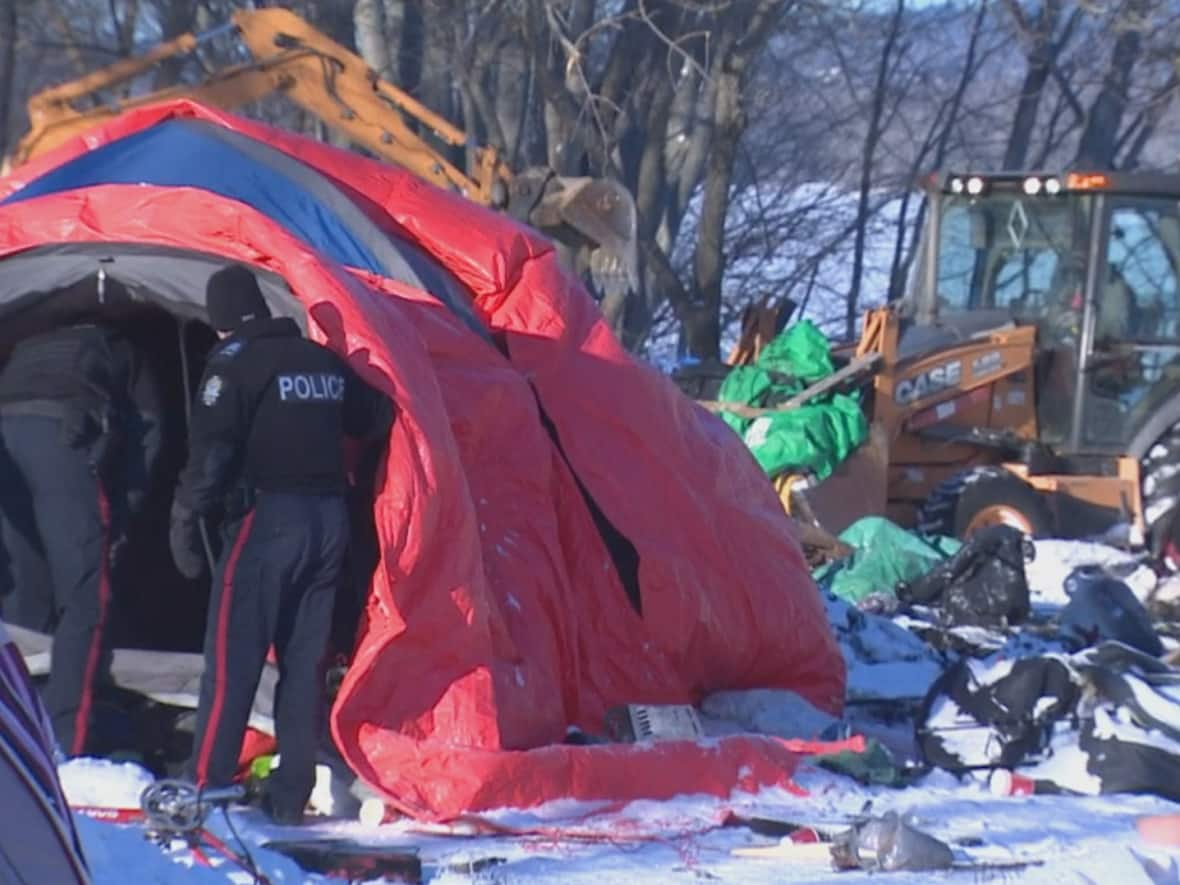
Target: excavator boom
292, 58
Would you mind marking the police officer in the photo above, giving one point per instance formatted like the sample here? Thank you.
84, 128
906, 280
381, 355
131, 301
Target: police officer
266, 443
80, 433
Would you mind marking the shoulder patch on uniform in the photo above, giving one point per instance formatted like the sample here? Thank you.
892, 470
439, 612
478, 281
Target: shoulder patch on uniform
212, 390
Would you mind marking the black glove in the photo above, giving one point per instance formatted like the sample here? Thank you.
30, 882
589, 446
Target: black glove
184, 538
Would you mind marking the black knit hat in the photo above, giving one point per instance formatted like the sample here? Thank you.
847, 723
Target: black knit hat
233, 298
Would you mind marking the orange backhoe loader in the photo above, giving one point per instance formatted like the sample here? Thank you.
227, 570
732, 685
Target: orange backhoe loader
291, 58
1031, 375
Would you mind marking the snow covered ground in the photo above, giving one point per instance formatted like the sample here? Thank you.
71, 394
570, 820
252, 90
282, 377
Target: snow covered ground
1054, 560
1063, 839
1068, 840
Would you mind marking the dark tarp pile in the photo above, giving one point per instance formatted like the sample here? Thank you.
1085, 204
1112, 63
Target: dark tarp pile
1083, 698
813, 438
883, 556
560, 529
981, 583
1105, 719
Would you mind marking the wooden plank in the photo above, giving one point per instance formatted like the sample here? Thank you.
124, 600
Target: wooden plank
798, 852
735, 408
858, 366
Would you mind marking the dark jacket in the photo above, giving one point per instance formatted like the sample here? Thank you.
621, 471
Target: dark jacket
271, 414
103, 391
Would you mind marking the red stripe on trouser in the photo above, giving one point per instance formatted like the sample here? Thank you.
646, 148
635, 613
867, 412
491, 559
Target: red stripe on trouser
82, 720
220, 653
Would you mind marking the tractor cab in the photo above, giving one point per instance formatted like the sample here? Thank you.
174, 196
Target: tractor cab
1031, 374
1092, 261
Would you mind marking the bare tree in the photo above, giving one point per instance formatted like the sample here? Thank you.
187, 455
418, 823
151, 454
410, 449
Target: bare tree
934, 149
1096, 147
368, 18
650, 92
765, 155
876, 113
1045, 35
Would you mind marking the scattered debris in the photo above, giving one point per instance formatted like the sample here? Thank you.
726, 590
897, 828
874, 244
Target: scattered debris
1160, 829
772, 711
653, 722
1101, 607
981, 585
884, 557
1042, 708
342, 859
888, 844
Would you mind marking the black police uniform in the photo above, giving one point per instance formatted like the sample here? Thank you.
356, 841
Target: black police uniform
80, 433
266, 442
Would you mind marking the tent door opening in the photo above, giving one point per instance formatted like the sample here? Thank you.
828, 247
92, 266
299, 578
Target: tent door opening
155, 606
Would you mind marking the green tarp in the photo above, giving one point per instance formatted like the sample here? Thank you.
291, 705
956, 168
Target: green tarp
874, 767
815, 437
883, 554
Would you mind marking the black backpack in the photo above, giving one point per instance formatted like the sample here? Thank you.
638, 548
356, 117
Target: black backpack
977, 715
982, 585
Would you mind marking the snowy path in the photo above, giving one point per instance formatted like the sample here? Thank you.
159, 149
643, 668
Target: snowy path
1078, 840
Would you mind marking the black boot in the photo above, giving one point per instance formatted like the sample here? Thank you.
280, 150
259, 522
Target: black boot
287, 817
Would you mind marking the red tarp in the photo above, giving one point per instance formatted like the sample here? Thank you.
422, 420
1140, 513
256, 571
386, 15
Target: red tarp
497, 619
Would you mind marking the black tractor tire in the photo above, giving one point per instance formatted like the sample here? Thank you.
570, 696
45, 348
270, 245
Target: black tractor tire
969, 500
1160, 470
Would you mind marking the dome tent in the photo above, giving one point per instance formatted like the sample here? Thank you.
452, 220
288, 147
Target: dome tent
559, 529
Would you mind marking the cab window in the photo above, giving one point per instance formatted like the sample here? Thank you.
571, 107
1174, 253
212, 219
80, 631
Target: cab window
1140, 299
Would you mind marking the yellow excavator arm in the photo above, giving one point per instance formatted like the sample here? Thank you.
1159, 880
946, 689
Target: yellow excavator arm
292, 58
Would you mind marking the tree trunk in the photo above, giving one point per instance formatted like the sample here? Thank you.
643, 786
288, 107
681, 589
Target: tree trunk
702, 330
903, 257
650, 185
561, 110
872, 138
1041, 59
437, 90
1025, 118
1096, 148
176, 17
368, 21
630, 315
685, 151
125, 29
411, 47
1152, 116
9, 23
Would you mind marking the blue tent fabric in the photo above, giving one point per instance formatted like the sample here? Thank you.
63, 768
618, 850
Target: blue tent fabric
193, 153
173, 154
399, 258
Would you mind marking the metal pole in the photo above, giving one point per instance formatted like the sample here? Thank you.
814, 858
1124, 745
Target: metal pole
1095, 276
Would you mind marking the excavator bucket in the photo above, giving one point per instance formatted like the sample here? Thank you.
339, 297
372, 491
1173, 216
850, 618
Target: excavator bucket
595, 213
602, 211
858, 488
